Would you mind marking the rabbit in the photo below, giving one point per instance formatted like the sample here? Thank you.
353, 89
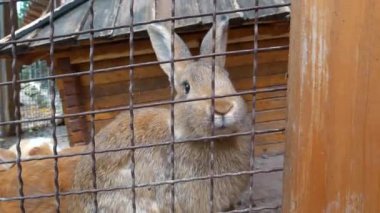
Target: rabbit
38, 178
6, 155
192, 79
30, 147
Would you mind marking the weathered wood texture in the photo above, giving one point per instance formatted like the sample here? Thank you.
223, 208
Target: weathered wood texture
151, 84
7, 105
333, 136
73, 17
72, 103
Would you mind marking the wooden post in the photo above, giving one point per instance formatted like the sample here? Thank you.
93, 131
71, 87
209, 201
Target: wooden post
7, 105
333, 136
71, 95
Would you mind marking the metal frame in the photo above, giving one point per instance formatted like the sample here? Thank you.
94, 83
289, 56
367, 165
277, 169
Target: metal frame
131, 66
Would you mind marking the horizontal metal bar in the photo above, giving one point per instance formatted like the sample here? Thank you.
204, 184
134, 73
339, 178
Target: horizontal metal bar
145, 23
176, 181
145, 146
153, 104
150, 63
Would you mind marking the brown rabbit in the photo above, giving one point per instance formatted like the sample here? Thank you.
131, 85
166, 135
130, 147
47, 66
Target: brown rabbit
6, 155
192, 79
38, 178
30, 147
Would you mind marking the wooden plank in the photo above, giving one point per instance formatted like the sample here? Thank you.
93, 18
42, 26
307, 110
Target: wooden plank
332, 151
262, 82
236, 72
112, 16
142, 46
221, 5
162, 10
182, 8
149, 84
271, 115
272, 100
271, 125
142, 12
265, 104
264, 13
104, 16
262, 116
270, 138
186, 8
270, 149
266, 95
72, 103
107, 102
69, 23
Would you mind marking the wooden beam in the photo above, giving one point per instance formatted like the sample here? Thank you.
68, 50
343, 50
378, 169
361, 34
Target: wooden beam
8, 105
237, 36
72, 103
333, 136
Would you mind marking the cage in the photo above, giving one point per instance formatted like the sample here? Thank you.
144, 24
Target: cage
102, 61
147, 87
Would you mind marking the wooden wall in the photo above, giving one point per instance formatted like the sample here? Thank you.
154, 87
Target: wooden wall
332, 161
151, 84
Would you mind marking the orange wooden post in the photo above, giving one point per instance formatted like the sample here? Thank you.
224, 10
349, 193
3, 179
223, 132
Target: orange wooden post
333, 136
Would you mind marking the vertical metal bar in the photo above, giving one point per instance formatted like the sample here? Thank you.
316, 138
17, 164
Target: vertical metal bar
254, 71
92, 108
212, 143
172, 73
131, 73
52, 103
13, 11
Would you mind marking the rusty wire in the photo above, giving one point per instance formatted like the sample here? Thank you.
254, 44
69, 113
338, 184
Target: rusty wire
150, 63
16, 101
92, 105
52, 104
131, 106
212, 142
253, 121
131, 114
152, 104
172, 96
144, 185
192, 140
82, 32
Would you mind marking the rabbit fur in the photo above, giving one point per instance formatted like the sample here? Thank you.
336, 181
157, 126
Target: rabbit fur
192, 79
38, 178
30, 147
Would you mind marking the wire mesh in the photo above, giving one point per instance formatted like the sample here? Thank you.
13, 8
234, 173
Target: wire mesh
94, 111
35, 96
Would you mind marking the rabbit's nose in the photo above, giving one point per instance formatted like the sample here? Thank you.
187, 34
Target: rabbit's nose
222, 107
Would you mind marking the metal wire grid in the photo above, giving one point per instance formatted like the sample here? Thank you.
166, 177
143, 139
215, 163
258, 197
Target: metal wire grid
57, 194
35, 97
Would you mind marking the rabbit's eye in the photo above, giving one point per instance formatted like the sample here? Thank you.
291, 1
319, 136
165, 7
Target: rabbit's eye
186, 87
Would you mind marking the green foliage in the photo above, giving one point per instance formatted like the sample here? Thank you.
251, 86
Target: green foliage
22, 8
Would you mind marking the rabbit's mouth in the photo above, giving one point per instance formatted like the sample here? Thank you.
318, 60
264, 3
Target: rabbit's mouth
224, 124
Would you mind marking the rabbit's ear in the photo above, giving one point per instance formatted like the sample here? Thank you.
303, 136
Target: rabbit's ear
160, 38
221, 35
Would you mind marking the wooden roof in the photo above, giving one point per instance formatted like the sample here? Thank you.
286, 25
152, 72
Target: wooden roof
74, 17
35, 10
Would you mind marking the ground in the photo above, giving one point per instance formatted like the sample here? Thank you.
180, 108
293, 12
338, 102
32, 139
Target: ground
267, 187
